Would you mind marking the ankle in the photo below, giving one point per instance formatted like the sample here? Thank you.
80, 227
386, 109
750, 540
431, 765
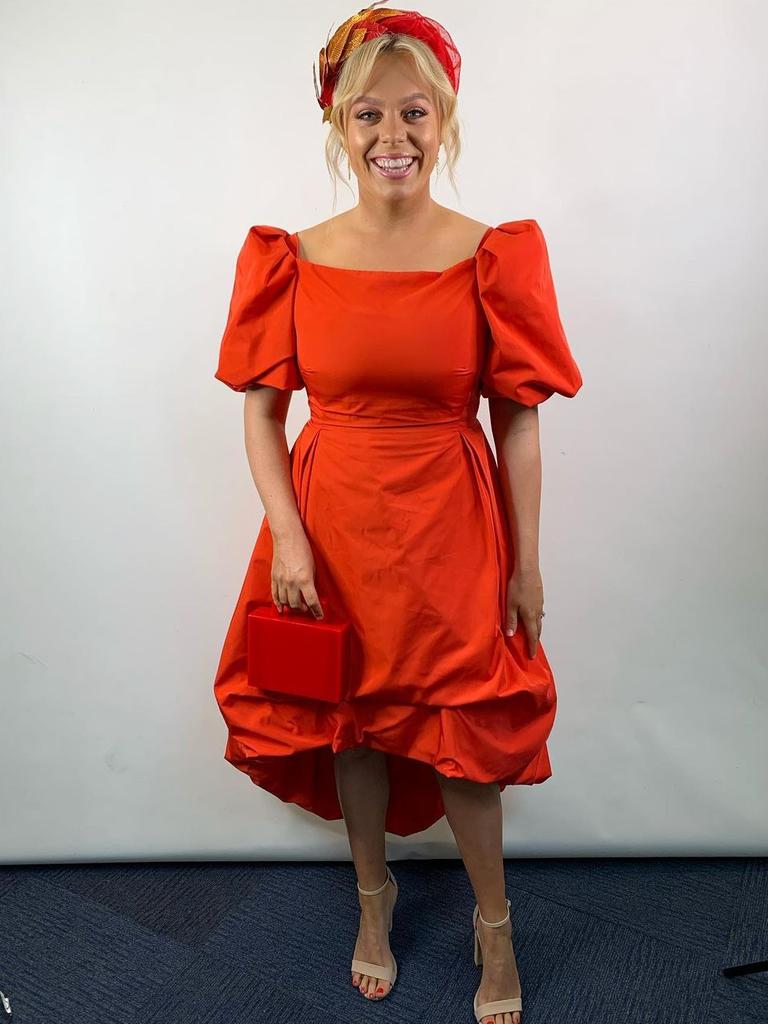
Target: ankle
374, 908
369, 887
494, 917
371, 895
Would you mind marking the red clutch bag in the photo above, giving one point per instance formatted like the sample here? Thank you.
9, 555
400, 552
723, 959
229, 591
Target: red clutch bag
292, 652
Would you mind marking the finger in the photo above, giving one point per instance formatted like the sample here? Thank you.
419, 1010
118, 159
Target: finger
294, 596
511, 624
275, 596
532, 632
313, 602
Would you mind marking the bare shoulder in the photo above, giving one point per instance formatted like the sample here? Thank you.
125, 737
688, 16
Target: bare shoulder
317, 238
465, 231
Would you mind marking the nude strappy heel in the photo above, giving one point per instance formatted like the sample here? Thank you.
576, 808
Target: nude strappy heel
379, 970
496, 1005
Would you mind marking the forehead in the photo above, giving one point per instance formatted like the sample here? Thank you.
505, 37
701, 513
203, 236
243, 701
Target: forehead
364, 98
394, 78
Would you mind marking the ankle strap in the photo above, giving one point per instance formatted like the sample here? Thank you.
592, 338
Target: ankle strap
494, 924
374, 892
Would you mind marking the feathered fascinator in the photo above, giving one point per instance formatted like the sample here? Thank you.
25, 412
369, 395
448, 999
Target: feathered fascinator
369, 23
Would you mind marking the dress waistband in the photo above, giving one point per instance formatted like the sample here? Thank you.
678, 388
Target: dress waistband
327, 418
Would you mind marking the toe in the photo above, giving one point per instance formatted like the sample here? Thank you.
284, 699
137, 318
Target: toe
355, 978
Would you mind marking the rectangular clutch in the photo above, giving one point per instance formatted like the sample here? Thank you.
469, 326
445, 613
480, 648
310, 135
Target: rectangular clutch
293, 653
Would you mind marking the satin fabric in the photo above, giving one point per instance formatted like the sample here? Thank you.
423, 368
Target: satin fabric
399, 493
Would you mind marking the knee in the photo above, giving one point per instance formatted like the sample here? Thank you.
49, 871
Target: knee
448, 780
358, 754
462, 785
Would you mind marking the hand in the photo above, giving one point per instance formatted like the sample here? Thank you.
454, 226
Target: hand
525, 600
293, 575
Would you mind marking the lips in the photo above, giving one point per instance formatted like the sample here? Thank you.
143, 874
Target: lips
394, 166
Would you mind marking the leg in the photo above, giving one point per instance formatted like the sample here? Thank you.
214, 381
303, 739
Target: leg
363, 788
473, 810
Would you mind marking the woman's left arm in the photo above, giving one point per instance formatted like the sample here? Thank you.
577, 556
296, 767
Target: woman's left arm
515, 429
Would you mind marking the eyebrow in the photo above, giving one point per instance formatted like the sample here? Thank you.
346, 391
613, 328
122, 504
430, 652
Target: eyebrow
405, 99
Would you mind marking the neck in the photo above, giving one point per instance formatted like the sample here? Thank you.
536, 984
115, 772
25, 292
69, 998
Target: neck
406, 217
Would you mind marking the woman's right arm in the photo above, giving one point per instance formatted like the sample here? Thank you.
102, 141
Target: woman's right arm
293, 565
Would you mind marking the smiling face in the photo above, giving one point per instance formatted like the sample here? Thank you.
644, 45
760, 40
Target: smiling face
392, 131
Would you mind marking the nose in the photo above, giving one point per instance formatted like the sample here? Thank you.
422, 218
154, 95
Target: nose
391, 128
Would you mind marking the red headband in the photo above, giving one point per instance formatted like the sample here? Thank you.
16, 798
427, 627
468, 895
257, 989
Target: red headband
368, 24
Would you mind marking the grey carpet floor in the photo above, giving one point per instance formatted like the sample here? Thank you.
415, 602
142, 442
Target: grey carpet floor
609, 941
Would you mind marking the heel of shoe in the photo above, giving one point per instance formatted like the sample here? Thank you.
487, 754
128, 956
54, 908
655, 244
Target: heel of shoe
394, 897
476, 937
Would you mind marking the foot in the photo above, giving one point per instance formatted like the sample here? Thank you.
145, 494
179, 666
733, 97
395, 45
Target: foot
373, 941
500, 978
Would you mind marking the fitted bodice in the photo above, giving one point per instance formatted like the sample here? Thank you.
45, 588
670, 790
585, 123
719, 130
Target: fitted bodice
389, 345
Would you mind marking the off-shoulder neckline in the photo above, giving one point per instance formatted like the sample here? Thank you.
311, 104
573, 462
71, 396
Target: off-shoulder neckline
293, 245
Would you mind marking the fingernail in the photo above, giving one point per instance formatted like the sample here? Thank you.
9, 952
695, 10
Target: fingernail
510, 632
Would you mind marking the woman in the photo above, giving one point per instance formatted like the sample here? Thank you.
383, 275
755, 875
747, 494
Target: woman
397, 316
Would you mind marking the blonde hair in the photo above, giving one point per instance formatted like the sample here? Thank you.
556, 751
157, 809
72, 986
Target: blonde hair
356, 72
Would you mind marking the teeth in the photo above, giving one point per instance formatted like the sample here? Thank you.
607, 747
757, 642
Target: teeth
394, 164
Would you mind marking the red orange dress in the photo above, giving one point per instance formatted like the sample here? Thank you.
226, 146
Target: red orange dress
399, 494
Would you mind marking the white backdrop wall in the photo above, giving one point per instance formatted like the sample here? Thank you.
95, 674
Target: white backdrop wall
141, 141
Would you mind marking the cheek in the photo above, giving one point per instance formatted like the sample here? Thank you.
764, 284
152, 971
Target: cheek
359, 149
425, 136
360, 137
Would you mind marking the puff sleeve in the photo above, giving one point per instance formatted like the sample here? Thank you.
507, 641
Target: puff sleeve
527, 356
259, 342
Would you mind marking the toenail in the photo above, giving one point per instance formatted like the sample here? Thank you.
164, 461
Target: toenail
379, 989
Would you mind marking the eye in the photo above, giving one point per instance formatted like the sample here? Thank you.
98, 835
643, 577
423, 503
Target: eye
361, 115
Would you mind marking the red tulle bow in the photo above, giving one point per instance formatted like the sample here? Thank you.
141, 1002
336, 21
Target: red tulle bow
369, 23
